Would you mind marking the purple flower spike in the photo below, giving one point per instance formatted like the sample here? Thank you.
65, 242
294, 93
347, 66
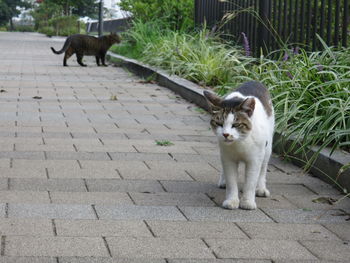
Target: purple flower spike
246, 44
289, 75
296, 50
285, 57
319, 67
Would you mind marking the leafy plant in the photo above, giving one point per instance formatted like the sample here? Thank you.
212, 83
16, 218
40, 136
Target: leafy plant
176, 15
310, 90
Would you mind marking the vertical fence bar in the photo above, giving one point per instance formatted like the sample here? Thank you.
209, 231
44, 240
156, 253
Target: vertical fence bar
255, 25
336, 23
273, 24
302, 22
296, 21
321, 30
196, 12
269, 42
308, 26
285, 17
345, 23
290, 28
243, 18
262, 30
329, 23
314, 25
279, 21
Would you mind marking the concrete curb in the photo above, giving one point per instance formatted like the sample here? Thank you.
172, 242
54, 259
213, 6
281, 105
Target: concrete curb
325, 167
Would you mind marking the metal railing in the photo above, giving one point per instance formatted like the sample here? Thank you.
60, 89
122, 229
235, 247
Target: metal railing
269, 24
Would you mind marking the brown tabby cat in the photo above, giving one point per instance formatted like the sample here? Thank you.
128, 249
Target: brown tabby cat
87, 45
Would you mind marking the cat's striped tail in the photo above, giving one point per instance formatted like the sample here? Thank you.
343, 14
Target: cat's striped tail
64, 48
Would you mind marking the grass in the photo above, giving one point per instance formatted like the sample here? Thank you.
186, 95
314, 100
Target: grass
164, 143
310, 90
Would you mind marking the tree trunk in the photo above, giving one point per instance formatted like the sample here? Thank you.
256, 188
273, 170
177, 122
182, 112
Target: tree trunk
11, 24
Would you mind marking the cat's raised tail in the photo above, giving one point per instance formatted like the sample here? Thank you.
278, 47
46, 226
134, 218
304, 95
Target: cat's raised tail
64, 48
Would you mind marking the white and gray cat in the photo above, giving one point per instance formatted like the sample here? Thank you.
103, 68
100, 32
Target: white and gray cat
243, 122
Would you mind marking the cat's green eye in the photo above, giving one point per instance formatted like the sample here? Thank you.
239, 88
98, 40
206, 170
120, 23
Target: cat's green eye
238, 125
216, 123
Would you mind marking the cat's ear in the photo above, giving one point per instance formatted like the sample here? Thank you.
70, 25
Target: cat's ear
248, 106
213, 100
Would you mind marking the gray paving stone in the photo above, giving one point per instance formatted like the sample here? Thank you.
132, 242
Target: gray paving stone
279, 231
180, 199
116, 185
3, 184
134, 212
220, 214
90, 198
63, 211
322, 188
259, 249
191, 187
24, 197
23, 155
289, 189
139, 156
159, 248
285, 166
42, 164
341, 230
77, 156
188, 166
54, 246
108, 260
218, 261
25, 227
307, 261
5, 259
22, 173
39, 184
90, 173
316, 202
160, 174
329, 250
165, 149
44, 147
5, 163
185, 229
306, 216
118, 164
106, 228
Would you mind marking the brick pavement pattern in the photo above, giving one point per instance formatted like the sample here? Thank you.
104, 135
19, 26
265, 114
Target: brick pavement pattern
83, 180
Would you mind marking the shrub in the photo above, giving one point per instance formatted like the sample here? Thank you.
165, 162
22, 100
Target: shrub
65, 25
22, 28
176, 15
47, 30
310, 90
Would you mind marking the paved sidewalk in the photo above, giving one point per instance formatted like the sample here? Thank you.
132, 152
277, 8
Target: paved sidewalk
82, 179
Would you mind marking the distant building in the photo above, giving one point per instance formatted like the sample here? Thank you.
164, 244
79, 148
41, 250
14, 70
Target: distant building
113, 9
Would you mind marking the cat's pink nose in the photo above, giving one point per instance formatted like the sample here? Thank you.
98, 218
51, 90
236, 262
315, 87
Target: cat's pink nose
225, 135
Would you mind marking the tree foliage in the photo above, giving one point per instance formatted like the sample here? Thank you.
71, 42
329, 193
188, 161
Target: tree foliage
176, 15
8, 9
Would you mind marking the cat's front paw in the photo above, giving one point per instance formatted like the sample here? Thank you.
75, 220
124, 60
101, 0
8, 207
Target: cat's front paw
230, 204
262, 192
247, 204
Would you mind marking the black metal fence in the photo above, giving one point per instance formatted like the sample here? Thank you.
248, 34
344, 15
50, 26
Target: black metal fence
116, 25
269, 24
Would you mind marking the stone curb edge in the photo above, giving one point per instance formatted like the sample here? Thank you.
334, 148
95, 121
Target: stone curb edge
325, 167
